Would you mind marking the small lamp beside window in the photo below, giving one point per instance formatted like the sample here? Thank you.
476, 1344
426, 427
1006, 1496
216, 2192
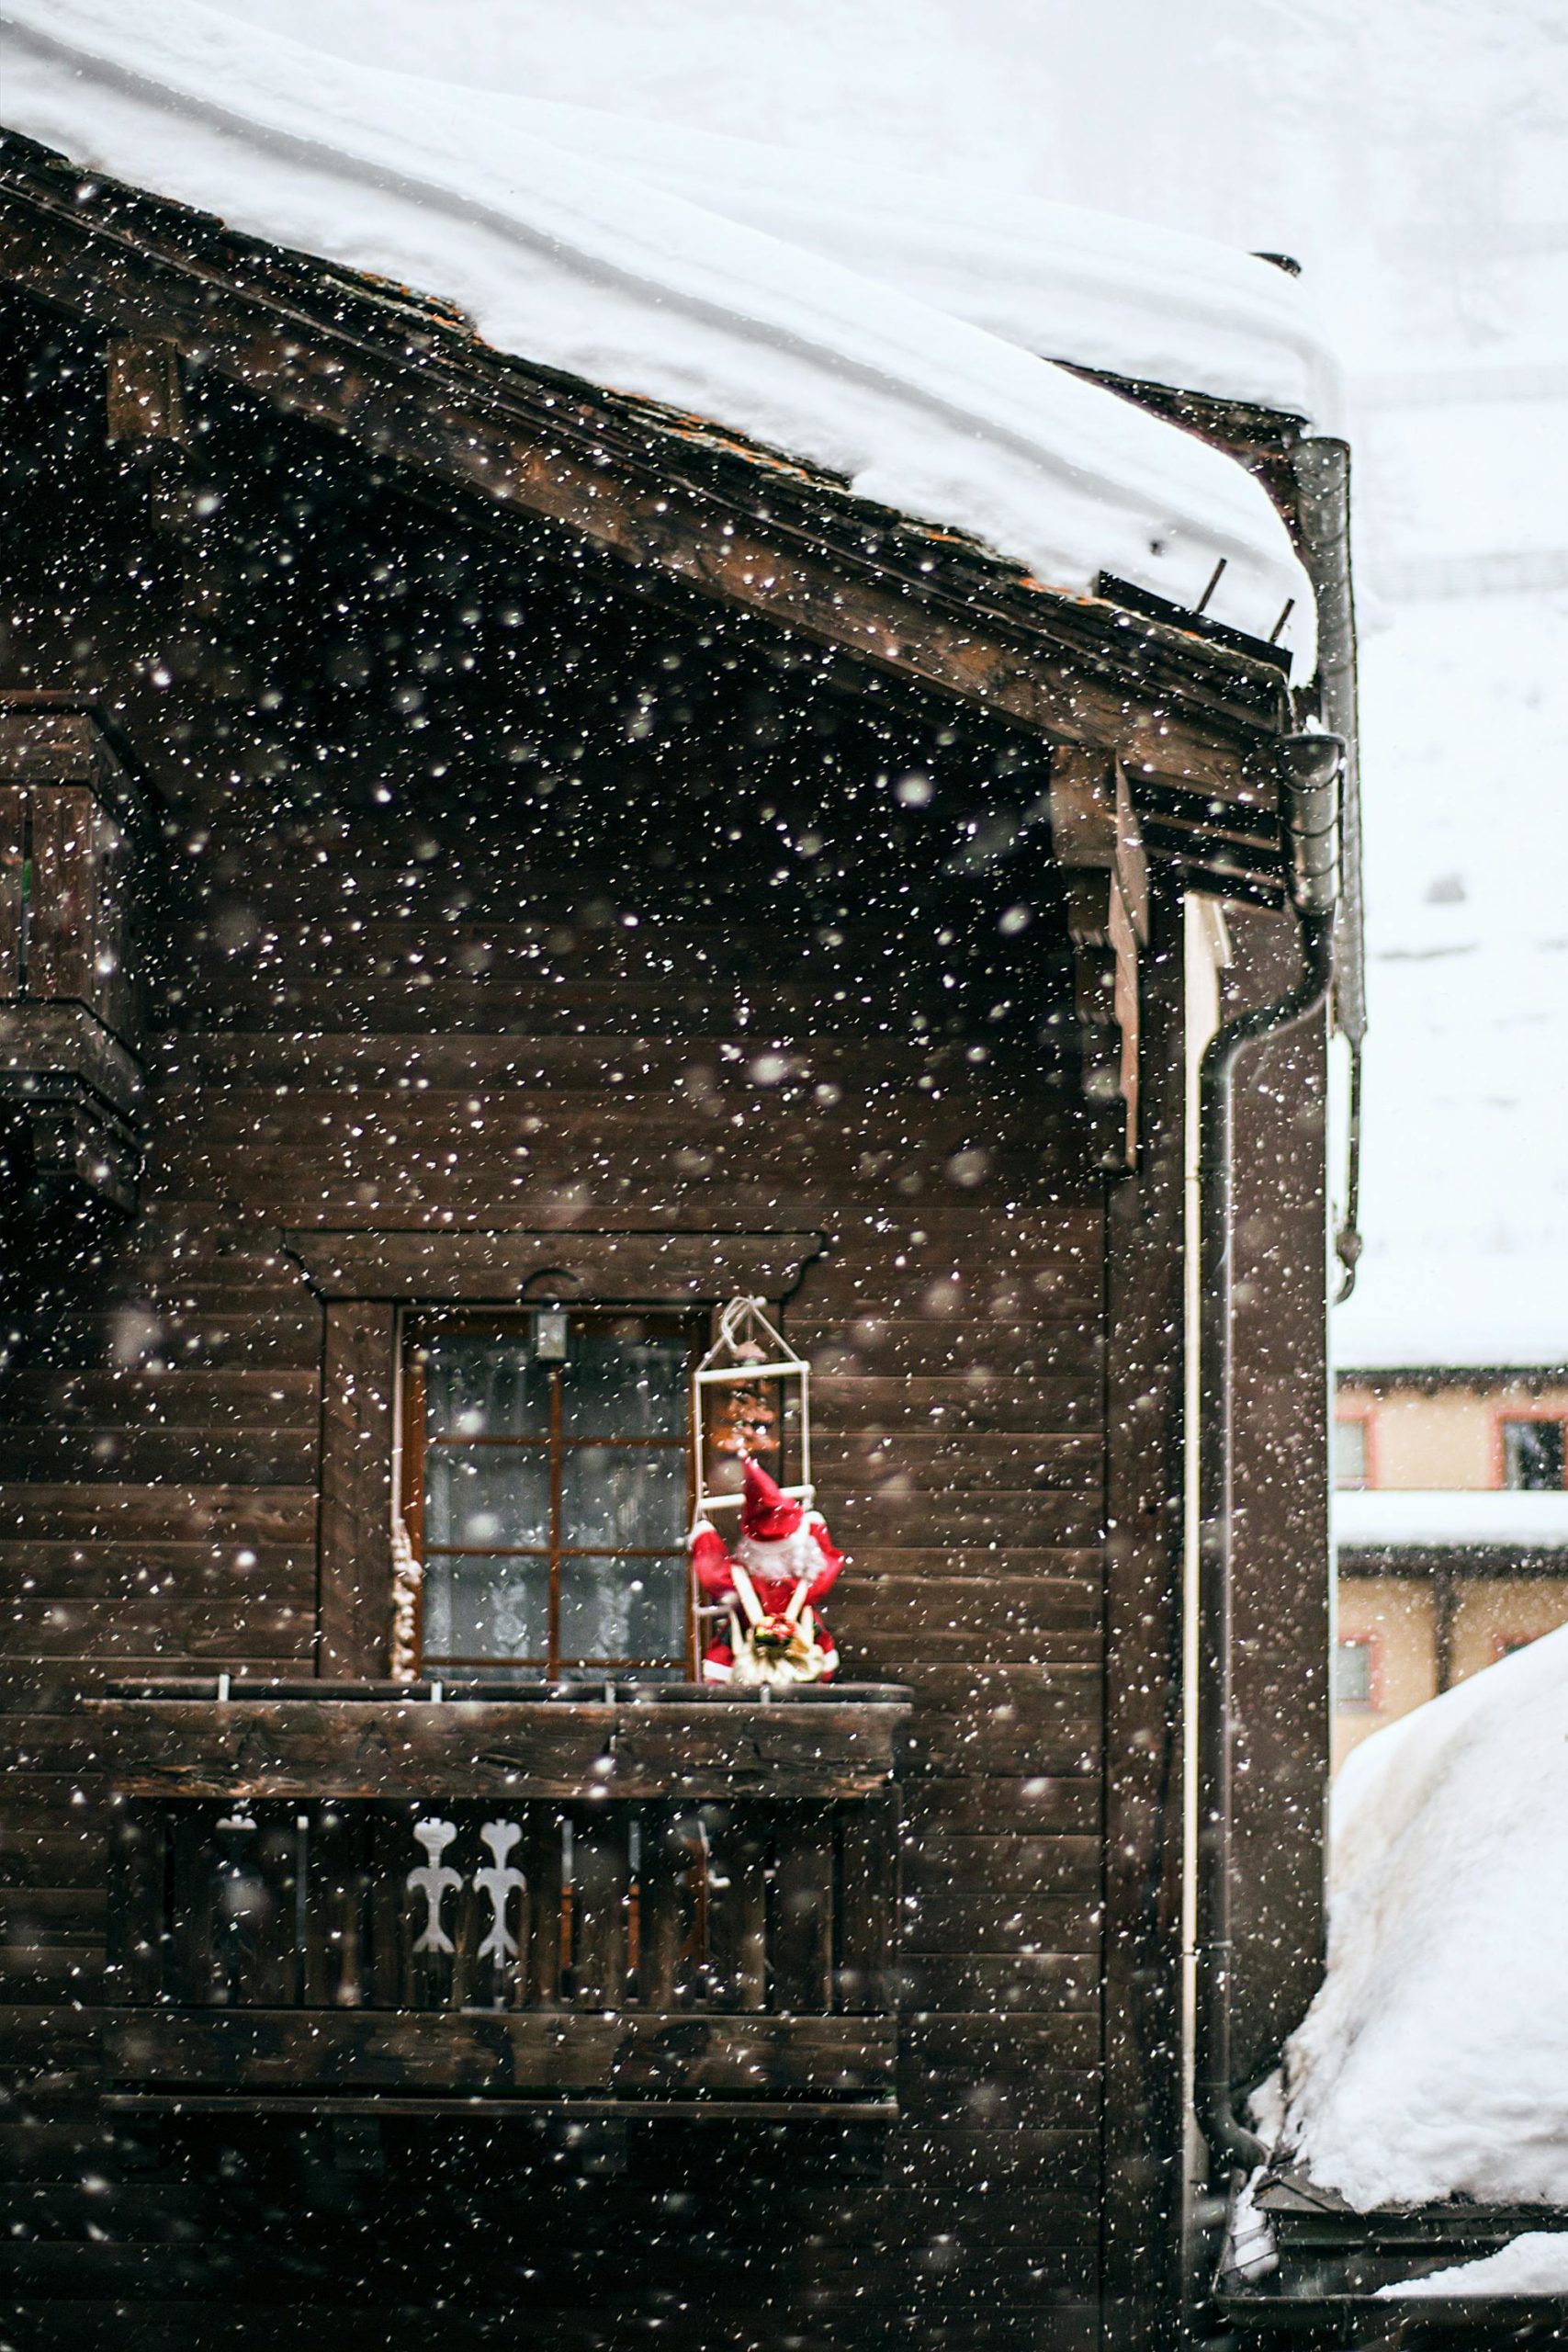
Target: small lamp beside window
551, 1341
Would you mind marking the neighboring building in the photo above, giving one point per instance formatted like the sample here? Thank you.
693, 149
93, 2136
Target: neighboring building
495, 869
1416, 2129
1452, 1517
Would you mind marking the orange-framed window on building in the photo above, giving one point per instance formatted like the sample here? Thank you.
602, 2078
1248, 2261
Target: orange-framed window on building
1532, 1451
1357, 1674
1353, 1459
547, 1490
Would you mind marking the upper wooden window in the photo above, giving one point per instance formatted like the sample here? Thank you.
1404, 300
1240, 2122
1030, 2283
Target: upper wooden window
547, 1490
1533, 1454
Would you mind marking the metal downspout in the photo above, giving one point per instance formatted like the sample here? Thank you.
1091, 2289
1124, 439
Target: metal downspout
1321, 467
1310, 799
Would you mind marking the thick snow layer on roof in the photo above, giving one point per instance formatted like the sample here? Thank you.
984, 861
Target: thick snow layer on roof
1434, 2061
1464, 753
583, 264
1387, 1516
1053, 279
1533, 2264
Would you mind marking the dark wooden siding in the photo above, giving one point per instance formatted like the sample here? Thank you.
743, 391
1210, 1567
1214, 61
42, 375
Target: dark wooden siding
620, 1002
959, 1418
1282, 1524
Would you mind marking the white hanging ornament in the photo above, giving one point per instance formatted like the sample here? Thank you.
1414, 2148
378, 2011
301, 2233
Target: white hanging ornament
434, 1879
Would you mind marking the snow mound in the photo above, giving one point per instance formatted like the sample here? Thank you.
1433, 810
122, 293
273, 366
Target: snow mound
578, 262
1434, 2061
1535, 2263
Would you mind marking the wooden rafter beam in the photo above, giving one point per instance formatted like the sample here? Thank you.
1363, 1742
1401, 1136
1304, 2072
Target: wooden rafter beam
443, 406
144, 394
1100, 847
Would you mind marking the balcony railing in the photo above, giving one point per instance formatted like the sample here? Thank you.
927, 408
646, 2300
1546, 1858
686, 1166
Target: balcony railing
650, 1895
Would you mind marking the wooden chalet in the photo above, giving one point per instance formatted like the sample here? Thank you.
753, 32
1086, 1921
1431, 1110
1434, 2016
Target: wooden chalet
494, 870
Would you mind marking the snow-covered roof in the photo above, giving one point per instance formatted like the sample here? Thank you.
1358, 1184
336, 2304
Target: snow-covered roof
1386, 1518
1434, 2061
577, 260
1158, 305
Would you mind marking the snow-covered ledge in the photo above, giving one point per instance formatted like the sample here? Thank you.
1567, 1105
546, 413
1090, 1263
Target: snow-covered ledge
1386, 1519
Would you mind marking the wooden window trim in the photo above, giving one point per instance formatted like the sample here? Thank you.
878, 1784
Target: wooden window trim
364, 1277
570, 1269
414, 1440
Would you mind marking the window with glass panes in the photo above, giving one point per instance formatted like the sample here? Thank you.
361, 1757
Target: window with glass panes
1353, 1674
547, 1491
1351, 1453
1533, 1454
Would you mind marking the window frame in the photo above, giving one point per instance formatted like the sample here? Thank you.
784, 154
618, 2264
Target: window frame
1364, 1418
417, 1326
1364, 1426
1373, 1703
1506, 1415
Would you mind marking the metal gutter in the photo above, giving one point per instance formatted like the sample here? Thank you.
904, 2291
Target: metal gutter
1310, 804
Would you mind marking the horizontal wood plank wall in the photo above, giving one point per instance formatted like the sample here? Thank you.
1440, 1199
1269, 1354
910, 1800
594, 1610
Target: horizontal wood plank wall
1142, 1990
471, 1035
168, 1515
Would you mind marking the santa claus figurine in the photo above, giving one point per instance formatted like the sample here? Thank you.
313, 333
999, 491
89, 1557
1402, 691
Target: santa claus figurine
782, 1562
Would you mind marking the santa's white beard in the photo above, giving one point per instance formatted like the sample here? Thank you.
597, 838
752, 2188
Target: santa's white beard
785, 1559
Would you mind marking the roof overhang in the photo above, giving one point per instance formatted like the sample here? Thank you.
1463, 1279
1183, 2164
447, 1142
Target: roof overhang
1193, 716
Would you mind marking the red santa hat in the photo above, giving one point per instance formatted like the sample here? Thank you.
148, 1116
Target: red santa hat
767, 1514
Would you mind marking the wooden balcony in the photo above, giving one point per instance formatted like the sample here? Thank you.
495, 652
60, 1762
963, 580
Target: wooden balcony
654, 1896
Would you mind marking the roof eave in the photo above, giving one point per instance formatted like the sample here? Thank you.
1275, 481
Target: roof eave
735, 523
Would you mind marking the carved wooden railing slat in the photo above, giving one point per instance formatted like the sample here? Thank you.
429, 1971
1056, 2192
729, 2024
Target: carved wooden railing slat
778, 1910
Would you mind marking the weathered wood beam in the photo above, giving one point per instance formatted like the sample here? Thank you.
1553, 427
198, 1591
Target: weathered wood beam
1141, 1986
354, 1584
451, 1751
144, 391
669, 1267
520, 2107
1099, 845
686, 2055
70, 1080
550, 455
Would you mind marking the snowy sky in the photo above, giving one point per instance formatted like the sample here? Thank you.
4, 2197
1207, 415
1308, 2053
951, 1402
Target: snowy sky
1413, 156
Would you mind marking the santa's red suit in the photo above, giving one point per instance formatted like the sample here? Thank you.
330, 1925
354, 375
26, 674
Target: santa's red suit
787, 1561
